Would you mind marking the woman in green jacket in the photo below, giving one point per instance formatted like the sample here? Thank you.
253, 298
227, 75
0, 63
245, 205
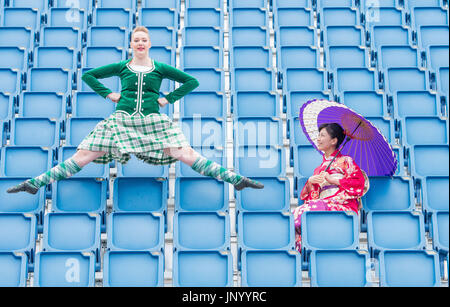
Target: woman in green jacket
137, 127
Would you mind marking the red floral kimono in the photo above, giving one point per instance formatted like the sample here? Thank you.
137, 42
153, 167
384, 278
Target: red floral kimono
343, 197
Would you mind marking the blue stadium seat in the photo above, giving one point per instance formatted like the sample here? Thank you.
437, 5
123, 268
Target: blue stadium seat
429, 160
204, 4
411, 4
338, 16
49, 80
72, 232
35, 132
415, 103
439, 229
395, 230
303, 79
295, 133
41, 5
248, 17
432, 35
202, 36
442, 80
397, 56
21, 17
293, 100
381, 35
288, 3
388, 16
14, 268
99, 56
3, 133
202, 268
339, 268
389, 194
99, 36
435, 193
293, 16
298, 57
14, 58
209, 17
366, 103
428, 16
409, 268
25, 161
165, 55
248, 3
137, 168
329, 230
437, 57
355, 79
210, 79
424, 130
334, 3
201, 57
90, 170
201, 230
77, 128
67, 17
158, 17
394, 79
56, 57
6, 106
252, 79
295, 36
365, 5
200, 194
86, 5
133, 269
217, 155
140, 194
268, 268
204, 132
246, 56
208, 104
11, 81
255, 103
274, 197
16, 37
42, 104
60, 37
163, 36
161, 3
346, 56
24, 203
249, 36
113, 17
265, 230
260, 161
18, 233
127, 4
258, 131
123, 227
304, 159
64, 269
90, 104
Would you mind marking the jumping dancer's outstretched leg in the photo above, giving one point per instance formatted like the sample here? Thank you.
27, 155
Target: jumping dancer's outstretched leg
209, 168
63, 170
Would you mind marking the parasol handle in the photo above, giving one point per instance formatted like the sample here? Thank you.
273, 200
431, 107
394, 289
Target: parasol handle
347, 139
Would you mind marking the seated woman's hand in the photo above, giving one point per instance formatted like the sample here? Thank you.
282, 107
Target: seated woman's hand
114, 97
316, 179
330, 179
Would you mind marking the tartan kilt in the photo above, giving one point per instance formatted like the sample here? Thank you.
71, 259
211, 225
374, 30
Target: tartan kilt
121, 135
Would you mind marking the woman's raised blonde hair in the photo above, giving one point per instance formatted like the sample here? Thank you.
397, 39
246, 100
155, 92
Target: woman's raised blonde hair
140, 29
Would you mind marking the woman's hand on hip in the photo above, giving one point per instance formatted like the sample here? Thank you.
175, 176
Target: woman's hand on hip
162, 102
114, 97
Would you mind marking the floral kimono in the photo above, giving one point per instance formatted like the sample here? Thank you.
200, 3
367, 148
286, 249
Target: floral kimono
353, 184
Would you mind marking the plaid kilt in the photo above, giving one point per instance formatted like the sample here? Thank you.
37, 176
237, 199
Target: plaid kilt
144, 136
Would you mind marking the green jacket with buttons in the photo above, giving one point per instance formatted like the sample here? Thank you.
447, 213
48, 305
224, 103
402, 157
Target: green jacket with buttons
140, 90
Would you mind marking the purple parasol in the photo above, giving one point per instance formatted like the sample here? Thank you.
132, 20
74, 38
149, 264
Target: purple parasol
364, 142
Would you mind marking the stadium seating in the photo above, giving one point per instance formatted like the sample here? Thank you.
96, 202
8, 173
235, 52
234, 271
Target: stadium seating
258, 62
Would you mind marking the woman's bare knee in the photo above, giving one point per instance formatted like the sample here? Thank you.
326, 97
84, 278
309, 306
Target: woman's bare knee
83, 157
185, 154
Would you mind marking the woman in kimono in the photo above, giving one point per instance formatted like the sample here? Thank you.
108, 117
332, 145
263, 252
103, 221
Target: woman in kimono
338, 188
137, 127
